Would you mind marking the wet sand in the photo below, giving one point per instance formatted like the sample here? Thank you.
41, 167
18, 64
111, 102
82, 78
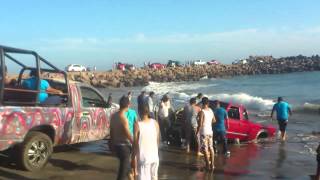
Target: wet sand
271, 159
249, 161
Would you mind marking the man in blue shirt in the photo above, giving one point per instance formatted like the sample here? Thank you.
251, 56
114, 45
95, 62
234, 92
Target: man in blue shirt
132, 118
31, 83
283, 111
219, 128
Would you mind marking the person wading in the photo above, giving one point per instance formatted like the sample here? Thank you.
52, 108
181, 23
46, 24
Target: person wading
219, 127
150, 102
147, 139
132, 117
283, 111
141, 101
121, 139
164, 119
206, 119
191, 112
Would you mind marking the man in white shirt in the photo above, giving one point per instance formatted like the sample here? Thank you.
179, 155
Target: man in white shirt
151, 104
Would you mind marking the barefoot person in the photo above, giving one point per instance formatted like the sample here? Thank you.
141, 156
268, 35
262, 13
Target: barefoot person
121, 139
141, 100
206, 119
132, 117
164, 120
191, 112
150, 102
219, 127
283, 111
146, 142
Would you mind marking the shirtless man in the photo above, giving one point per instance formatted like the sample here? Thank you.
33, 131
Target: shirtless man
121, 139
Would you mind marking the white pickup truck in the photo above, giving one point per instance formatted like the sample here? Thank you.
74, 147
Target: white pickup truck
199, 62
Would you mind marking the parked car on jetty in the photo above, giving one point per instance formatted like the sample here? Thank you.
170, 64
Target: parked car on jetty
199, 62
121, 66
30, 128
124, 66
75, 68
172, 63
130, 67
238, 125
241, 61
157, 66
213, 62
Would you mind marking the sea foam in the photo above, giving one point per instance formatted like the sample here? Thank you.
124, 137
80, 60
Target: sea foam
177, 92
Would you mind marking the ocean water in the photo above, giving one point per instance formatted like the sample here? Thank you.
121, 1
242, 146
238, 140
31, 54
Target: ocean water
258, 93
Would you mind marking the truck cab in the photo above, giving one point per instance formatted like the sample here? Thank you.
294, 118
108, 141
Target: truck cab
31, 127
239, 126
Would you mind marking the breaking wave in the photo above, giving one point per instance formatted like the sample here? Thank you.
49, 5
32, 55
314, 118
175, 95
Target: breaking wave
177, 92
181, 92
308, 108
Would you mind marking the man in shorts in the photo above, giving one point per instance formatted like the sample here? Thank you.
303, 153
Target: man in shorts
205, 121
219, 127
283, 110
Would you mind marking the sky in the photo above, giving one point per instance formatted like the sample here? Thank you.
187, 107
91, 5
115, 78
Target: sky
101, 32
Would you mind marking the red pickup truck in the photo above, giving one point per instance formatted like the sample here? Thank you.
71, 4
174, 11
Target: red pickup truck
31, 128
238, 125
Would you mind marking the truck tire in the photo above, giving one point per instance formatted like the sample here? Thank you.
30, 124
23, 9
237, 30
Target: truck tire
35, 151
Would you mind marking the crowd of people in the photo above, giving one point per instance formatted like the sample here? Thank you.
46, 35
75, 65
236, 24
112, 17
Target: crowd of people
136, 137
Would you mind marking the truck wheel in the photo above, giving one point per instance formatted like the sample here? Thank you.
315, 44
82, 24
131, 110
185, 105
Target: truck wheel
35, 151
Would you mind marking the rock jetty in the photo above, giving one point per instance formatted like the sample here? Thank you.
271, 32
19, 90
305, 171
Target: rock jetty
254, 65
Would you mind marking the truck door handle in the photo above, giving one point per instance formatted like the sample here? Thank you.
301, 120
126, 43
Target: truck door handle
85, 114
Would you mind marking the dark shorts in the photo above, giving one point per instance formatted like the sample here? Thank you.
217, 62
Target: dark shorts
282, 125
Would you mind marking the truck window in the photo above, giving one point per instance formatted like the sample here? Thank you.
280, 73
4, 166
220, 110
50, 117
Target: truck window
234, 113
90, 98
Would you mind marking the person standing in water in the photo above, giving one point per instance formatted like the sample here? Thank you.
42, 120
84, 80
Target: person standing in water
219, 127
191, 112
121, 140
164, 118
146, 143
132, 117
283, 110
141, 100
206, 119
150, 102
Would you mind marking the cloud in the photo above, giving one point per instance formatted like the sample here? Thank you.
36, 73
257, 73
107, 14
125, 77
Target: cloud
225, 46
141, 38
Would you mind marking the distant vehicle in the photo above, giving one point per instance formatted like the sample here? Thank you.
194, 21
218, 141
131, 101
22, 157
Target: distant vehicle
172, 63
241, 61
157, 66
75, 68
199, 62
130, 67
121, 66
238, 125
213, 62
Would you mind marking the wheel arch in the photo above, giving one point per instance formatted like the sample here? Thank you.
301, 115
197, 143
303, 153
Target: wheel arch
45, 129
262, 134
